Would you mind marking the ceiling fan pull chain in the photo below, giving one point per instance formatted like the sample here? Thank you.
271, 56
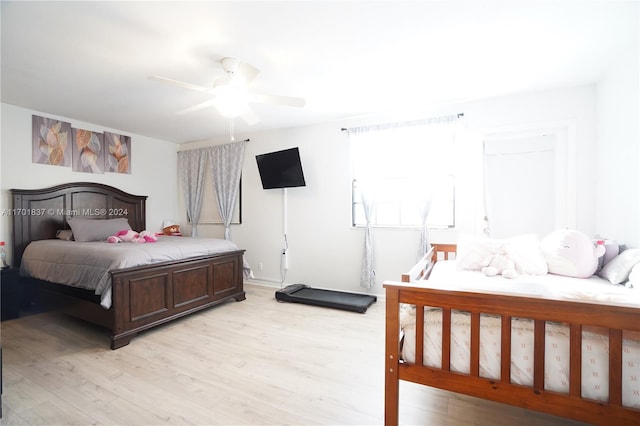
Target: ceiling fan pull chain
231, 130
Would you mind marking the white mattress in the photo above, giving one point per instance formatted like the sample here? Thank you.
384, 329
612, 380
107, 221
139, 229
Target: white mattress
595, 361
448, 276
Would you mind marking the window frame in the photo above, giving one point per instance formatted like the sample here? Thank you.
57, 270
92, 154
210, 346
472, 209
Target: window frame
407, 179
356, 202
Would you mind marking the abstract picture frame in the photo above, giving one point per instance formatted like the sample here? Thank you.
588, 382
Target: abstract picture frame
117, 153
51, 141
88, 151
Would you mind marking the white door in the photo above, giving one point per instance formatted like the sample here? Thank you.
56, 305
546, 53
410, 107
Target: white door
523, 183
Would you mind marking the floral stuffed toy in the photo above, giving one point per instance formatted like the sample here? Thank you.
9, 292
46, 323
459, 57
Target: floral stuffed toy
130, 236
148, 236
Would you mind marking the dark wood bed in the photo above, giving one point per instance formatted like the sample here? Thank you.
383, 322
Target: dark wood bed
617, 319
142, 297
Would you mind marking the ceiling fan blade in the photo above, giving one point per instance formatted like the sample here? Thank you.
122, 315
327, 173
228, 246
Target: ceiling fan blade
250, 117
180, 83
197, 107
278, 100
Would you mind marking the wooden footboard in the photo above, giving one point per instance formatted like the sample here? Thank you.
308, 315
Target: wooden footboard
617, 319
148, 296
144, 297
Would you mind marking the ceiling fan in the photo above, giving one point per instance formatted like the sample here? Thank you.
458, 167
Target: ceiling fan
231, 93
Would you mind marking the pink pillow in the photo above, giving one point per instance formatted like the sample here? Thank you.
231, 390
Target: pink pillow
571, 253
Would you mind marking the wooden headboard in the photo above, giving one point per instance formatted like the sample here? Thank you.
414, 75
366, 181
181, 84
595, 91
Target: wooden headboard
39, 213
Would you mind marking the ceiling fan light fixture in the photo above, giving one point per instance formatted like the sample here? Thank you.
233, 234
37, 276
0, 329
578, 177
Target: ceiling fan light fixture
231, 92
231, 100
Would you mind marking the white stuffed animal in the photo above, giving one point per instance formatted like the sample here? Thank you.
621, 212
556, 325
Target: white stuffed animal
499, 264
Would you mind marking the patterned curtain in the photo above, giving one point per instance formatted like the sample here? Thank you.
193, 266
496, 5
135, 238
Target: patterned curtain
226, 167
191, 169
361, 146
424, 207
440, 132
367, 269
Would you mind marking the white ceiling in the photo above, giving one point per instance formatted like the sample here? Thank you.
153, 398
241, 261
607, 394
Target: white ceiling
89, 61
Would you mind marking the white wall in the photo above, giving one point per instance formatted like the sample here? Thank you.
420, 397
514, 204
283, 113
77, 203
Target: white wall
618, 177
153, 168
325, 251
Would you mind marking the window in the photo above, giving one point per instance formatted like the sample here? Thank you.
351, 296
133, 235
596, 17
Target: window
404, 168
209, 213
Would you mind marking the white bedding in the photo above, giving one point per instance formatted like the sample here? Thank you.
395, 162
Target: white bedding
595, 370
87, 264
448, 276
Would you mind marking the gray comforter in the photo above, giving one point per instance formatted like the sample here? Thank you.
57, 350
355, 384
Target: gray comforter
87, 264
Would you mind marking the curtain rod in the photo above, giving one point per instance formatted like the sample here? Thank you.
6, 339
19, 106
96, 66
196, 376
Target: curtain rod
459, 115
183, 150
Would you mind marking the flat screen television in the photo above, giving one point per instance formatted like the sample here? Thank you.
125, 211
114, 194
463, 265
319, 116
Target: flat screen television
280, 169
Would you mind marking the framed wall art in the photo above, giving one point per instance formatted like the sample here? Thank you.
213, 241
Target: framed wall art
51, 141
88, 151
117, 153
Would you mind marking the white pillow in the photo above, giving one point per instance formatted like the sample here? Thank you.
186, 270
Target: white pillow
472, 250
618, 269
523, 250
634, 277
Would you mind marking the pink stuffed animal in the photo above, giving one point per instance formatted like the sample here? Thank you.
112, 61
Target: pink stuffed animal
130, 236
571, 253
148, 236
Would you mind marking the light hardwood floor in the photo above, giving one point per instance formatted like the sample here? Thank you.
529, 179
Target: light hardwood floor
250, 363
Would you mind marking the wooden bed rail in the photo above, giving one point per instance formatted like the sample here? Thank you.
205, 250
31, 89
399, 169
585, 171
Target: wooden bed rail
617, 319
443, 251
422, 269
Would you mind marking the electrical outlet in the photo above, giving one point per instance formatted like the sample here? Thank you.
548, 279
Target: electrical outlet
260, 266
